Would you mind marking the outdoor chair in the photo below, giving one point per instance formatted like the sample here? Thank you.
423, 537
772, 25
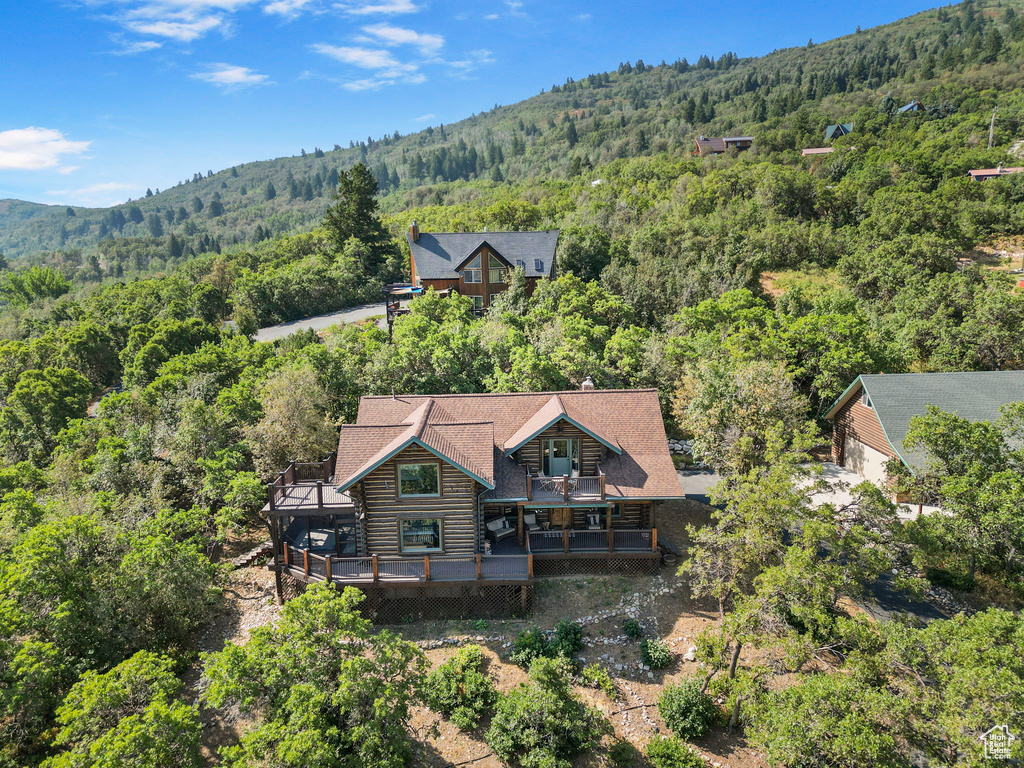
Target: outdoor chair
530, 521
594, 522
499, 529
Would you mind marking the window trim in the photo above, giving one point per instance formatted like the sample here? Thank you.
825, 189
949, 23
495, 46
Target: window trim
469, 274
421, 550
398, 480
477, 299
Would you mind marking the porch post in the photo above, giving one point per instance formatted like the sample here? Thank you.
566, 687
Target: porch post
320, 496
654, 540
375, 568
479, 567
337, 537
519, 527
277, 541
565, 488
327, 568
426, 567
565, 540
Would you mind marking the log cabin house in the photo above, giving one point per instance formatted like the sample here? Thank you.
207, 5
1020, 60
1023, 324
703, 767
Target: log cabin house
476, 264
467, 498
985, 174
870, 419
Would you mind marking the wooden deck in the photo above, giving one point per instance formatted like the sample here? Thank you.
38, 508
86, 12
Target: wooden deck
610, 541
307, 497
375, 570
565, 488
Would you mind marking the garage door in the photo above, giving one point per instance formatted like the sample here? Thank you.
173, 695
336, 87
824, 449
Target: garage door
865, 461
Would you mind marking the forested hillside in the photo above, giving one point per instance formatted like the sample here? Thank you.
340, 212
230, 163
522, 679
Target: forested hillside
785, 99
138, 431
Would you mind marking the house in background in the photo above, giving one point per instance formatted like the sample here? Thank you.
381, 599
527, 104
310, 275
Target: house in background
871, 418
838, 130
811, 151
476, 264
984, 174
706, 146
914, 106
461, 500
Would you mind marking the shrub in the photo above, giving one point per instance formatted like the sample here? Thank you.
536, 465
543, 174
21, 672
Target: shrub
460, 690
655, 653
687, 711
941, 577
623, 753
568, 639
670, 752
529, 645
633, 628
543, 724
597, 676
532, 643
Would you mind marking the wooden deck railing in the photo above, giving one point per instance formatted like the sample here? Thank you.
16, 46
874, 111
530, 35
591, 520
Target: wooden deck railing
566, 487
301, 473
376, 569
606, 540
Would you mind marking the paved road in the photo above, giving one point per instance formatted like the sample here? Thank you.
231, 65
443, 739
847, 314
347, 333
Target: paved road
320, 322
696, 483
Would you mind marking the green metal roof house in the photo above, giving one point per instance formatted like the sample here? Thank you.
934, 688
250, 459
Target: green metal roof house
870, 419
837, 130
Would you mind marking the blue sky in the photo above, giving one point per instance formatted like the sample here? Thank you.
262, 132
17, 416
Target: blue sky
100, 99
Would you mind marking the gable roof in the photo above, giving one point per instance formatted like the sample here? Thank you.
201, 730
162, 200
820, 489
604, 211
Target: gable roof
896, 398
913, 106
838, 129
479, 426
361, 449
549, 414
719, 144
438, 255
483, 243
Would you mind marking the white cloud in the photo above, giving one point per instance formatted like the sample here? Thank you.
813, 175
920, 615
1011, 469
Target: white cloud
515, 8
584, 17
65, 170
474, 60
425, 118
32, 149
230, 77
427, 43
383, 7
137, 46
492, 17
182, 31
364, 58
289, 8
94, 195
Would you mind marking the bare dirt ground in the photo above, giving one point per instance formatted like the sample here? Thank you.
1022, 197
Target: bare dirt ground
661, 602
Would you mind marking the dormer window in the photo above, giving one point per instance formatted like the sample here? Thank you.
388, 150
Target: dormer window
538, 264
473, 273
520, 264
495, 271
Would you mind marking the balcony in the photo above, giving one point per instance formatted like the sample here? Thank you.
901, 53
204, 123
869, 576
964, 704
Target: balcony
608, 541
566, 488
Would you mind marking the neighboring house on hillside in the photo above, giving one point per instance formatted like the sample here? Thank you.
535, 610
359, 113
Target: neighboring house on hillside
914, 106
871, 418
476, 264
484, 490
837, 130
984, 174
817, 151
707, 146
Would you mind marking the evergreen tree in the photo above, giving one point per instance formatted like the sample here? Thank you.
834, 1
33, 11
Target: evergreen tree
354, 214
269, 193
197, 204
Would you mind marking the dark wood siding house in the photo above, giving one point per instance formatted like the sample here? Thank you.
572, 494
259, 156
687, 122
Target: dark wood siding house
476, 264
985, 174
484, 490
717, 146
870, 419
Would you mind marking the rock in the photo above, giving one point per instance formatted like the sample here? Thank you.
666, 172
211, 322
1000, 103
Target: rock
691, 654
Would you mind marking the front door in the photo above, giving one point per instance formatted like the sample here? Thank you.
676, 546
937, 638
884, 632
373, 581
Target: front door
560, 517
559, 458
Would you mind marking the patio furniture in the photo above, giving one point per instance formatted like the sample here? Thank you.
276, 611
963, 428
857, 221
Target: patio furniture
499, 529
530, 521
594, 522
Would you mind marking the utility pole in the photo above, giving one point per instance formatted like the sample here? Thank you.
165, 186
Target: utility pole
992, 127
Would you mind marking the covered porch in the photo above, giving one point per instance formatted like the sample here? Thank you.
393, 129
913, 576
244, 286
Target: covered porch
581, 528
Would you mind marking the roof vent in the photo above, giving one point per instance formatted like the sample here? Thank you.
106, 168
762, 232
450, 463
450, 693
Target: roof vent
587, 385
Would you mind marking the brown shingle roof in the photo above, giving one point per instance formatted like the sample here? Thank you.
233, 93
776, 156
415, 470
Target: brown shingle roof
477, 427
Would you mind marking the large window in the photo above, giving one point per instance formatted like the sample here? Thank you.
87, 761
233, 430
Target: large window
422, 535
478, 302
419, 480
496, 271
473, 272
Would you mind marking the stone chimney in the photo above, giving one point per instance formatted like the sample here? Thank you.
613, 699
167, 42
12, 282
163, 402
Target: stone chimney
999, 168
414, 231
587, 385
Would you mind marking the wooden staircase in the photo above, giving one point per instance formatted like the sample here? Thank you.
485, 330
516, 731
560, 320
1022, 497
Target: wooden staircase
266, 549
